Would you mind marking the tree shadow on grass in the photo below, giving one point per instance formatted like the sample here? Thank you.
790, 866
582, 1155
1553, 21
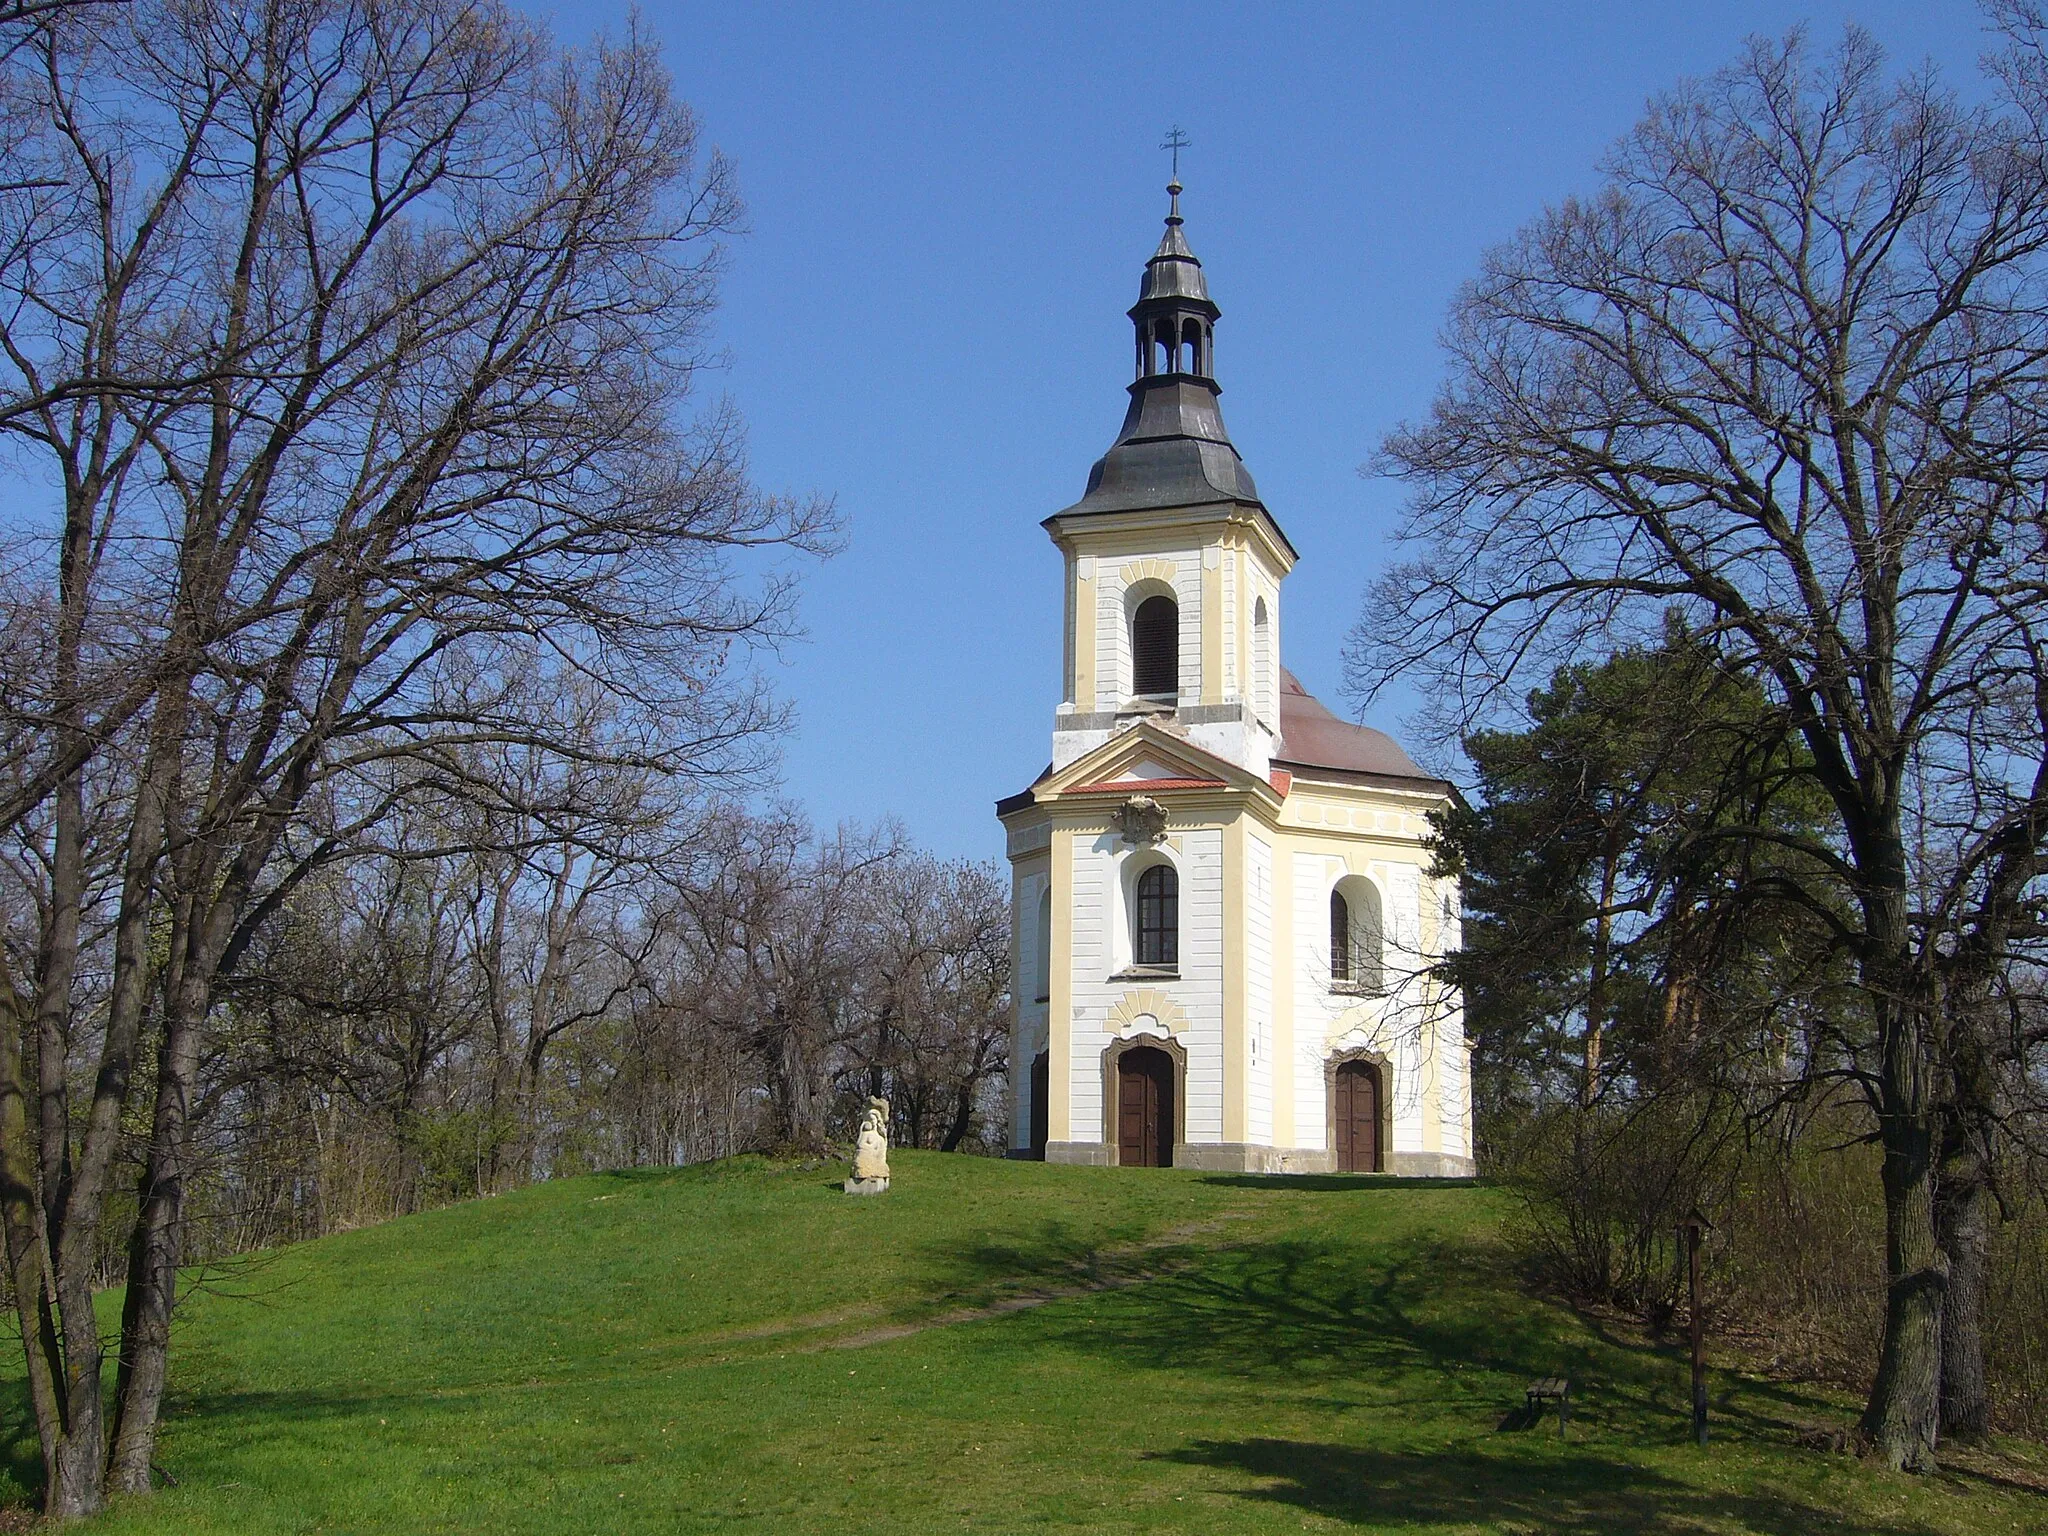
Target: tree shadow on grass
1340, 1183
1418, 1320
21, 1451
1580, 1495
1256, 1307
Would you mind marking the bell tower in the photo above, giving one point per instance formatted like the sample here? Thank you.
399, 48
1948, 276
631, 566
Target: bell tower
1173, 564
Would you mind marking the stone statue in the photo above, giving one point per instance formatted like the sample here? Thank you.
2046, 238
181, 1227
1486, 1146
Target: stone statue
871, 1151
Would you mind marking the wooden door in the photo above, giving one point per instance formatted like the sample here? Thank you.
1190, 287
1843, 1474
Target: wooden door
1358, 1118
1144, 1108
1041, 1086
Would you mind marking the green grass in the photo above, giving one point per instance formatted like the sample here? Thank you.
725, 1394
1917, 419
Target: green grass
742, 1347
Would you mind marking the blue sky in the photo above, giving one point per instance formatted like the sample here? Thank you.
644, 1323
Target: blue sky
949, 207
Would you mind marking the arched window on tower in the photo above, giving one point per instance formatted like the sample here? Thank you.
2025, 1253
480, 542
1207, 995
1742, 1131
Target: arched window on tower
1262, 664
1158, 916
1155, 649
1191, 345
1162, 348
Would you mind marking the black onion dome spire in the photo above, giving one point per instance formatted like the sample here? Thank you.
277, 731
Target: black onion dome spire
1173, 450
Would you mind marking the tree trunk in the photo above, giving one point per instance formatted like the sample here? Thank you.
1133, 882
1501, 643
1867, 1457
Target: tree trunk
1902, 1418
1962, 1225
78, 1467
22, 1217
59, 964
156, 1248
1596, 979
963, 1116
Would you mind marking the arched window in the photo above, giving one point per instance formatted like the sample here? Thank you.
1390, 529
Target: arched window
1042, 961
1340, 937
1155, 648
1158, 934
1357, 936
1262, 663
1191, 342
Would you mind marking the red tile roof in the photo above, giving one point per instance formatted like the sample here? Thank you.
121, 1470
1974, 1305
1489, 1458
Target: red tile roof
1311, 737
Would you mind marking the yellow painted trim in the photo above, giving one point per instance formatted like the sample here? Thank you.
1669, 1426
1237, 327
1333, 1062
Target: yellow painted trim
1236, 1052
1150, 569
1081, 630
1017, 1004
1429, 926
1285, 1064
1212, 631
1143, 532
1240, 629
1432, 1087
1171, 1016
1059, 1007
1067, 679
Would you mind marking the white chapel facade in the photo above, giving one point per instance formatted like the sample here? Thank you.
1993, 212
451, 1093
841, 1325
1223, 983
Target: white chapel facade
1223, 913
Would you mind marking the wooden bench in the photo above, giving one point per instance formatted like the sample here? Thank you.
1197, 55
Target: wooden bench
1557, 1389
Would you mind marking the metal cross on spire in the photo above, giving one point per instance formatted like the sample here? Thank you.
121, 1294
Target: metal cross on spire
1176, 141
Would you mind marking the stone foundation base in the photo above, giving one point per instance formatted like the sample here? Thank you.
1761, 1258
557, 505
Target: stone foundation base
1231, 1157
1431, 1165
866, 1186
1248, 1157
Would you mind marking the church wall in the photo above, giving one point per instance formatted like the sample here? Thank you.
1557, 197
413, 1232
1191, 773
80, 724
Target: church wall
1032, 975
1286, 1069
1406, 1028
1453, 1055
1223, 665
1103, 1009
1258, 926
1030, 987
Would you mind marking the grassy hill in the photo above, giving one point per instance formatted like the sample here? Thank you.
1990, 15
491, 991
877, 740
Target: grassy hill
989, 1347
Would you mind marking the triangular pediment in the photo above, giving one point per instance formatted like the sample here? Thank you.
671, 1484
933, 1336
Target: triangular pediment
1146, 755
1148, 768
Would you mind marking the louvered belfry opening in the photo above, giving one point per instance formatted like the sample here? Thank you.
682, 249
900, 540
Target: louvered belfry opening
1155, 649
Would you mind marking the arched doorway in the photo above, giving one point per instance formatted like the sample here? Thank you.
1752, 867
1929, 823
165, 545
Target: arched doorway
1355, 1122
1144, 1108
1041, 1119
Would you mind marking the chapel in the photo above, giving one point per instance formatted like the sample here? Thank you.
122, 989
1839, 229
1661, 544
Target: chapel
1225, 922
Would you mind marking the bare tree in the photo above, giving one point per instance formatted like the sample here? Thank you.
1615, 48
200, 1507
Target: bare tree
935, 996
1783, 375
360, 338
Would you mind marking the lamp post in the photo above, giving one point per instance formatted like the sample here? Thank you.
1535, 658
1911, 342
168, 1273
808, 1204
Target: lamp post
1689, 1231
